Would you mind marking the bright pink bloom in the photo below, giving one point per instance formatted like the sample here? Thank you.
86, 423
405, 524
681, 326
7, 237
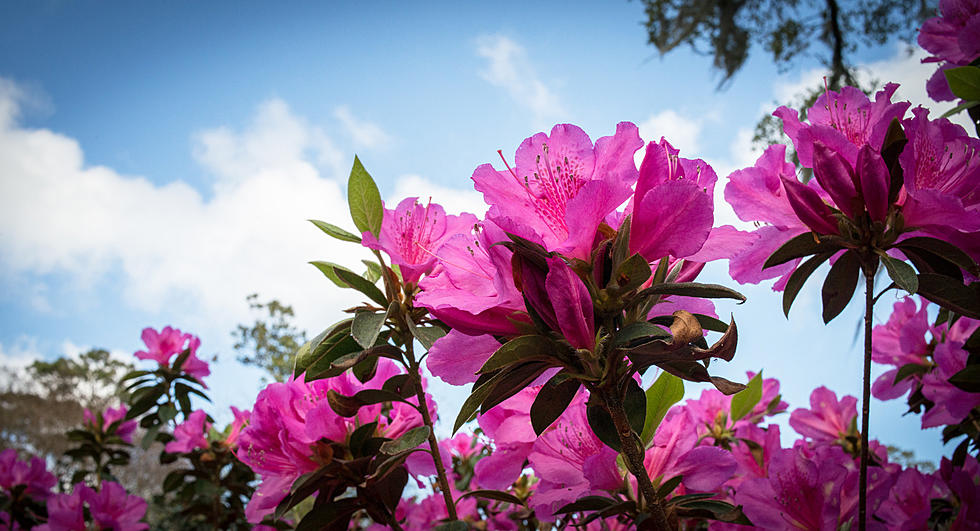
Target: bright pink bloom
240, 421
33, 474
110, 508
951, 404
411, 234
963, 482
289, 419
909, 504
712, 408
124, 430
900, 341
672, 207
190, 434
161, 346
844, 122
675, 452
828, 419
472, 286
455, 357
751, 464
571, 463
561, 186
954, 40
509, 427
560, 298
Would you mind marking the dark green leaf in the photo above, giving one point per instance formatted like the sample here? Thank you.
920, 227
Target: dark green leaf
901, 273
335, 231
799, 277
708, 322
349, 361
428, 335
746, 399
964, 82
364, 199
635, 404
945, 250
326, 353
514, 379
803, 245
366, 327
455, 525
492, 495
602, 424
552, 401
519, 349
630, 334
908, 370
587, 503
966, 105
891, 148
630, 274
666, 391
669, 486
950, 294
967, 379
329, 270
410, 439
361, 284
839, 286
472, 402
692, 289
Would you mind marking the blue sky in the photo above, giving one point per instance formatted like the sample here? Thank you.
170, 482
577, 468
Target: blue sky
158, 160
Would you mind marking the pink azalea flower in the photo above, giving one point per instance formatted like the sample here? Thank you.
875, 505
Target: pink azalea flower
951, 404
411, 234
828, 419
909, 504
289, 419
900, 341
954, 40
240, 421
753, 464
963, 482
560, 298
455, 357
799, 492
110, 508
190, 434
124, 430
33, 474
509, 427
843, 121
675, 452
571, 462
711, 409
672, 207
472, 287
561, 186
162, 346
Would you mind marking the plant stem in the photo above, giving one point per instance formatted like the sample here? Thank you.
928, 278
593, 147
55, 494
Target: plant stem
869, 277
415, 371
633, 454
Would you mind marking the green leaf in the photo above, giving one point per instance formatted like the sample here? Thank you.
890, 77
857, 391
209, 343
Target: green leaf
552, 401
901, 273
362, 284
364, 200
964, 82
966, 105
602, 425
410, 439
942, 249
799, 277
428, 335
799, 246
519, 349
909, 369
669, 486
692, 289
587, 503
366, 327
335, 231
708, 322
636, 331
166, 413
472, 402
839, 286
328, 270
967, 379
488, 494
455, 525
948, 293
746, 399
631, 274
666, 391
373, 272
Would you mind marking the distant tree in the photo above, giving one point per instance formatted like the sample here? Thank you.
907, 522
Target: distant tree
786, 29
271, 341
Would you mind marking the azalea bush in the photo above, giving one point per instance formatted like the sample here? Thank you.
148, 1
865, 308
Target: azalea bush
574, 314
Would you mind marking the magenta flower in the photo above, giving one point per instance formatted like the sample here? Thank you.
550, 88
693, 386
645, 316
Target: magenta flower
561, 186
34, 475
110, 508
962, 481
571, 462
900, 341
710, 411
909, 504
471, 287
753, 461
675, 452
560, 298
161, 346
844, 122
290, 418
951, 404
672, 207
240, 421
455, 357
509, 427
954, 40
828, 419
411, 234
190, 434
124, 429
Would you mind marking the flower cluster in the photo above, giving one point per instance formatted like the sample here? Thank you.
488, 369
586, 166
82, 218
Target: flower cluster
111, 422
163, 345
110, 507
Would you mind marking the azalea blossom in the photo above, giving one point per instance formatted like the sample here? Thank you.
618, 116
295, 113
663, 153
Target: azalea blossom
953, 39
163, 345
124, 430
32, 474
190, 434
828, 419
561, 186
411, 234
111, 507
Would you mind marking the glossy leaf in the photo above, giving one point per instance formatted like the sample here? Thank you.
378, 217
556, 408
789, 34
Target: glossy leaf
964, 82
692, 289
948, 293
552, 401
602, 424
523, 348
335, 231
488, 494
901, 273
839, 286
799, 246
329, 270
666, 391
410, 439
746, 399
361, 284
364, 199
799, 278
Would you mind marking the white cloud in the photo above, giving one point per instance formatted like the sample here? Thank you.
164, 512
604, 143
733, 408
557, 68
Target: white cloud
168, 248
20, 354
681, 131
363, 133
508, 67
453, 200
